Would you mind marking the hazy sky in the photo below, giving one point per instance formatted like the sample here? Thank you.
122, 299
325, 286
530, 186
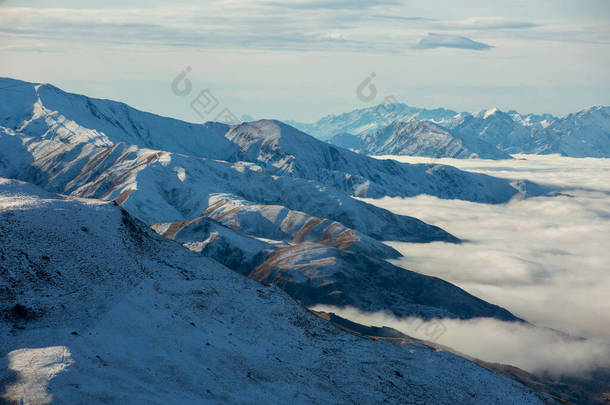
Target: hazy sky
302, 60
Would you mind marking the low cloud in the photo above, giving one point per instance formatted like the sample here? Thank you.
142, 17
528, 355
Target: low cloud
528, 347
545, 259
450, 41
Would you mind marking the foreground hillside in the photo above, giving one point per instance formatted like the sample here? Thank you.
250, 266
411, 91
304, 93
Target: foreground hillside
99, 309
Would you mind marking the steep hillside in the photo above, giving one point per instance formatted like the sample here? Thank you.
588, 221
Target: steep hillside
295, 153
101, 310
174, 192
158, 186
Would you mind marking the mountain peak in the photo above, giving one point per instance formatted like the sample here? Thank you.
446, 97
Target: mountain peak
490, 112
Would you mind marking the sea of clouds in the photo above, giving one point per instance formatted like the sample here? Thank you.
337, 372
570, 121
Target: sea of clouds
546, 259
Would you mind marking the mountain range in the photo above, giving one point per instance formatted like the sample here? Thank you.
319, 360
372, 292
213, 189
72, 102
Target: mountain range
174, 262
398, 129
257, 181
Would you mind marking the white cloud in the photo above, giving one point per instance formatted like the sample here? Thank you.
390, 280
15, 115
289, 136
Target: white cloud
546, 259
219, 25
530, 348
255, 24
257, 54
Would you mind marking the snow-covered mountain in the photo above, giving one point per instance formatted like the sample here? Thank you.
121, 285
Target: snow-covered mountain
263, 199
497, 128
419, 138
370, 119
267, 187
96, 308
45, 113
158, 187
582, 134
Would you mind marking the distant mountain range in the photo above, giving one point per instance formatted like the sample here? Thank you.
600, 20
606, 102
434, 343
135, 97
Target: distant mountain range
398, 129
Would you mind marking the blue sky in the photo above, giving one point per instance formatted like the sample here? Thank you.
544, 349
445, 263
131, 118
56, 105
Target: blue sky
304, 59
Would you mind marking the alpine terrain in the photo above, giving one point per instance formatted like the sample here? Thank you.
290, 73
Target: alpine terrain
146, 259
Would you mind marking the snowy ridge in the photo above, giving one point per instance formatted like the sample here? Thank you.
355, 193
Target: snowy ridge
157, 186
101, 289
262, 198
276, 222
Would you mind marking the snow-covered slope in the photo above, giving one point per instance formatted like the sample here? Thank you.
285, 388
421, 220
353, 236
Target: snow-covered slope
276, 222
292, 152
45, 112
157, 186
321, 275
347, 141
98, 309
582, 134
424, 138
340, 270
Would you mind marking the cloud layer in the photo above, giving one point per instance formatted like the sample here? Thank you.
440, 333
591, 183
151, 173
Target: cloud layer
546, 259
383, 26
530, 348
